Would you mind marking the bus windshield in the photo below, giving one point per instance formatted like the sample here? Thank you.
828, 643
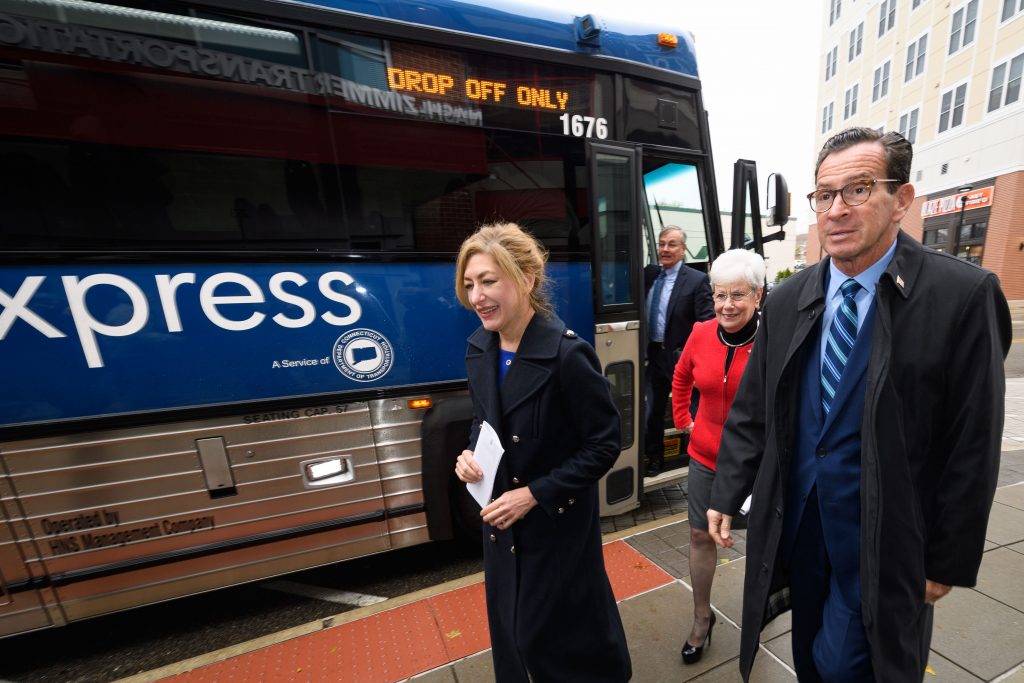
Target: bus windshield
673, 198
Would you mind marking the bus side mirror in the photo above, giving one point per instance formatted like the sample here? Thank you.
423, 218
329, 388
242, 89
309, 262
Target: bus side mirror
778, 198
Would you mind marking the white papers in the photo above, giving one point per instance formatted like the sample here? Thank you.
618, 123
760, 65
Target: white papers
487, 454
745, 508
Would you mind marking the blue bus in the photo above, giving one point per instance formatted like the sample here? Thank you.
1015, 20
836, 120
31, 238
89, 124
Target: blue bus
229, 340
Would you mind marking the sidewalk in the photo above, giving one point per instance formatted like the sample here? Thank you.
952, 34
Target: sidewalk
440, 635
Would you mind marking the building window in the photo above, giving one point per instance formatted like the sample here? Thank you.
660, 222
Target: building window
951, 113
973, 231
971, 252
916, 4
850, 101
915, 58
962, 30
856, 42
831, 62
887, 16
1010, 8
826, 118
1005, 88
880, 86
908, 125
937, 238
833, 11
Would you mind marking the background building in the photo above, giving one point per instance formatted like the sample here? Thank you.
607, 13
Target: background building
948, 76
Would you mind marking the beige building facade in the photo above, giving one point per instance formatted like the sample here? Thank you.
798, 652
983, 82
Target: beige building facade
948, 75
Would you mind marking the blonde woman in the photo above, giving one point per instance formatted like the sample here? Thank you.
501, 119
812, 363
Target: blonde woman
550, 608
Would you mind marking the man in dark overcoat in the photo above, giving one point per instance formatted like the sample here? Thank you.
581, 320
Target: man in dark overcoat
868, 426
550, 606
677, 297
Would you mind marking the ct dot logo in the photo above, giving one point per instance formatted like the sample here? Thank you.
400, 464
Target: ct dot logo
363, 355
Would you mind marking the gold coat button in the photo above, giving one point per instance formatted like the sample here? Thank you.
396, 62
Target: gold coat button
572, 501
494, 539
561, 511
515, 439
515, 480
513, 550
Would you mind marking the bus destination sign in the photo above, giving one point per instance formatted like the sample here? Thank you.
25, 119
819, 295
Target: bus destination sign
426, 83
499, 92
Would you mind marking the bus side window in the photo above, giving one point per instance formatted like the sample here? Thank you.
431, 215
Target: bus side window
614, 173
167, 155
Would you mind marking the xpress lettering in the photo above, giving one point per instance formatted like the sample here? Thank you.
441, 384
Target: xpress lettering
228, 301
88, 341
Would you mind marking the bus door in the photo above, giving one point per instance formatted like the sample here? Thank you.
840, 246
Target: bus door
618, 308
677, 191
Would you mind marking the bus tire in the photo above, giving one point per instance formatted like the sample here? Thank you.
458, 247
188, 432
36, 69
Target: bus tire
445, 433
466, 514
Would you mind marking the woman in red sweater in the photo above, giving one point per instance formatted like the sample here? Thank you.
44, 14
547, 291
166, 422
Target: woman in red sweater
713, 361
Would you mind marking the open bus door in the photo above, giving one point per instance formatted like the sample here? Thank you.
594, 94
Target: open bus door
680, 191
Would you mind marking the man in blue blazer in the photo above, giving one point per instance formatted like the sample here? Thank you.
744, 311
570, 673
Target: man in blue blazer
677, 297
868, 426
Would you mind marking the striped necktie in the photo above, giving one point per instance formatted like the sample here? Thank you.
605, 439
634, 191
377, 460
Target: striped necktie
652, 314
841, 336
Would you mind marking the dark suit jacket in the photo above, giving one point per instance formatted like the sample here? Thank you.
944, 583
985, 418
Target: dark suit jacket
689, 303
826, 455
931, 435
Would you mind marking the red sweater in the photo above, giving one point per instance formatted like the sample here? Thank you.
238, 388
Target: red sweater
703, 363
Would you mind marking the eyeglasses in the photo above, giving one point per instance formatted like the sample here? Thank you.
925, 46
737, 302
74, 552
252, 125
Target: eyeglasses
854, 194
736, 297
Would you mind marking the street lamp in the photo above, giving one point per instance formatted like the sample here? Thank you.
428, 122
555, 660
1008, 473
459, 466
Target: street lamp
960, 224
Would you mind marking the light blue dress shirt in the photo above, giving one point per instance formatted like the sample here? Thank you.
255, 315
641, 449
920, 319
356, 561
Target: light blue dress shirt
658, 333
864, 298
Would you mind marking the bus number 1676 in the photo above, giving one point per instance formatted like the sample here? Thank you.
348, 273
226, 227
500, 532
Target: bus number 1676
584, 126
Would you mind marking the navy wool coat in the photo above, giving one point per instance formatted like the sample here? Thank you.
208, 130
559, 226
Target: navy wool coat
930, 441
549, 604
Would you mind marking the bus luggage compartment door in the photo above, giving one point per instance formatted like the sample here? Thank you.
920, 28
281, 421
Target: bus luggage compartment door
21, 607
125, 517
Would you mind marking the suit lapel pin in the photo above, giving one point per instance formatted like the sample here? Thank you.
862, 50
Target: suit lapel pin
899, 281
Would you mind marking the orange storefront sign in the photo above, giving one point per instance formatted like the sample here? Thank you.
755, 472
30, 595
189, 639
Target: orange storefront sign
974, 199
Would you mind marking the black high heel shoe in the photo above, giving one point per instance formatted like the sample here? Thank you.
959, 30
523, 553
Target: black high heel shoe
693, 653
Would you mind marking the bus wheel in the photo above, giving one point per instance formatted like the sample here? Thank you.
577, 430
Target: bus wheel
465, 513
